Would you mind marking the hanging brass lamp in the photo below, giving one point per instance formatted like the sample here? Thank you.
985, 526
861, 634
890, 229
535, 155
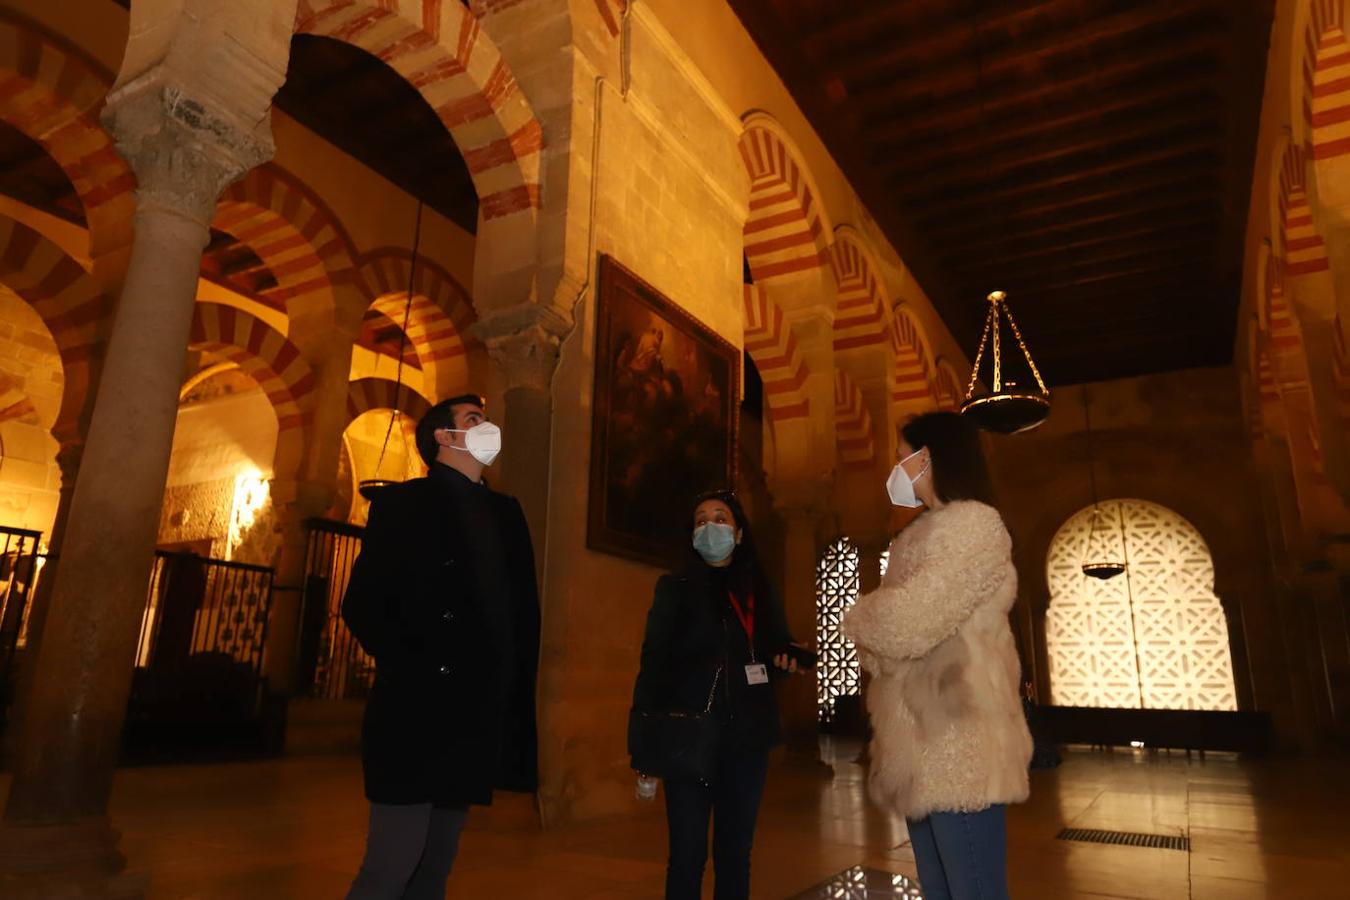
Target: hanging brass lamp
370, 488
1019, 400
1103, 557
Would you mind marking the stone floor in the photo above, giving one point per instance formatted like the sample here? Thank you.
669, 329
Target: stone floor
294, 829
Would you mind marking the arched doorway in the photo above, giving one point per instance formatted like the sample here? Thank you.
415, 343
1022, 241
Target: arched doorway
1153, 637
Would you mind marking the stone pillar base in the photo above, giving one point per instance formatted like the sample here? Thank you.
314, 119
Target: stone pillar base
72, 861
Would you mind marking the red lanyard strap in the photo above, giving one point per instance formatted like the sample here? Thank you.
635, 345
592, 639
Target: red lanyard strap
746, 614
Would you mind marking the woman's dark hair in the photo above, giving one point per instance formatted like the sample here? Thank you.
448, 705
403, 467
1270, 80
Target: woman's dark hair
960, 471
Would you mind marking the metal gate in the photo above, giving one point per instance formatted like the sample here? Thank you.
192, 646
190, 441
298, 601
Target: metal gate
332, 664
20, 563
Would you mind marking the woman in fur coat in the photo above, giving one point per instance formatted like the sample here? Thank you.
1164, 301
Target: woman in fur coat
950, 746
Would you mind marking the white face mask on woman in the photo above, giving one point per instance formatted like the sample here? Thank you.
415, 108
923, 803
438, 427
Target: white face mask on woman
900, 486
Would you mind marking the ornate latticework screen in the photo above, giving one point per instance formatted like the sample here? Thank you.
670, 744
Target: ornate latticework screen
1154, 637
837, 582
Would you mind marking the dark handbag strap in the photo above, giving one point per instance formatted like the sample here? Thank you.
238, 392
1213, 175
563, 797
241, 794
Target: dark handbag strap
712, 693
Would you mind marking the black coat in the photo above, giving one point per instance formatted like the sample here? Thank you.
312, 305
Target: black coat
452, 711
692, 631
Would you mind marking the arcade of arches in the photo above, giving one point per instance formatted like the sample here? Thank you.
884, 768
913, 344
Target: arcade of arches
245, 243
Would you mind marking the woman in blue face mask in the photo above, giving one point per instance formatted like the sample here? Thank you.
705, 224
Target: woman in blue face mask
716, 641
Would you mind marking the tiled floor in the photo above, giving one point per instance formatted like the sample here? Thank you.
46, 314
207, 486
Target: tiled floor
294, 829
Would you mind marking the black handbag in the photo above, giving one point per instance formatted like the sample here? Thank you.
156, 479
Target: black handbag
676, 745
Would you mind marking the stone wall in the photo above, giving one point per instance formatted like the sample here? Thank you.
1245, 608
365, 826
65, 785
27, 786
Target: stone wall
31, 383
1178, 440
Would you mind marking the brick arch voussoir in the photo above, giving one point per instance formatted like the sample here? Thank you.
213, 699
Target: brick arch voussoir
862, 310
368, 394
263, 354
1325, 81
773, 346
854, 436
785, 232
440, 48
53, 92
914, 386
71, 304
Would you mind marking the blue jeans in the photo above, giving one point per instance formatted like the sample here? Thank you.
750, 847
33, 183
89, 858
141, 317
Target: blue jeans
962, 856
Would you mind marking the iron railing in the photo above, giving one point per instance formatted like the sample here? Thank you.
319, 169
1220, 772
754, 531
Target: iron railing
20, 563
198, 606
332, 665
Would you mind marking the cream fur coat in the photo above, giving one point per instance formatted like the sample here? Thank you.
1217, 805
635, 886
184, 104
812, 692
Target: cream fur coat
949, 733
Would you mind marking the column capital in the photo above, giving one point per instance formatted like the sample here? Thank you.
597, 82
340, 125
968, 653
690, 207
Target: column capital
183, 154
524, 342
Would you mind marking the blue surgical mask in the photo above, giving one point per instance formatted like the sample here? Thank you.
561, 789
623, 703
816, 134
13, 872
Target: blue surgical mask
714, 541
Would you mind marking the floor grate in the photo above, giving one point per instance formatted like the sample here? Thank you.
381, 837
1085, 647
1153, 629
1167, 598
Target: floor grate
1125, 838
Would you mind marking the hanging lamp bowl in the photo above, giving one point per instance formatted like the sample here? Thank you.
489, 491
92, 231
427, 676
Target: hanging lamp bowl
370, 487
1008, 412
1103, 571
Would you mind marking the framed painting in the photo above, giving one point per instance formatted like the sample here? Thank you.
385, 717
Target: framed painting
663, 425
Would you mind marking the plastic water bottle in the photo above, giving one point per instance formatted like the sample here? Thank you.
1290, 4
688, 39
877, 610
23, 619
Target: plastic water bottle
646, 787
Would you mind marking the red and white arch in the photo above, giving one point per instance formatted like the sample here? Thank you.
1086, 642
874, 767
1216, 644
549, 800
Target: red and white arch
439, 318
913, 388
291, 230
861, 313
368, 394
71, 305
852, 424
263, 354
947, 390
772, 345
442, 51
52, 92
784, 233
1326, 80
1303, 248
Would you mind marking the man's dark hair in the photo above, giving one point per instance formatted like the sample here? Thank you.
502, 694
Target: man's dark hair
960, 471
442, 415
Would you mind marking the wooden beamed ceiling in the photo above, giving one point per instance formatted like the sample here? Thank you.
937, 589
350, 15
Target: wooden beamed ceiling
1093, 158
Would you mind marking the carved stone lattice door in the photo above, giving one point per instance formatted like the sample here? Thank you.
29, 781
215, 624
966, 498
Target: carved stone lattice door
837, 584
1154, 637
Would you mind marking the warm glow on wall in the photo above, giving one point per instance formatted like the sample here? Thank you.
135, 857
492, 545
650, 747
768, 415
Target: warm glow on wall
250, 496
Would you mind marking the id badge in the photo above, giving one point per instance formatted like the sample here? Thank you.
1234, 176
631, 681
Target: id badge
757, 673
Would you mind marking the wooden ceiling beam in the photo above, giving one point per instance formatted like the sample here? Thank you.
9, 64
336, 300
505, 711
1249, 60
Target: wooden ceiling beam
1122, 194
1151, 127
985, 237
942, 38
1041, 56
1203, 220
912, 138
1106, 70
1104, 261
1185, 151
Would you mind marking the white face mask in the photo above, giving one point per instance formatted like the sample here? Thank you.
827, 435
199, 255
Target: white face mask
901, 487
483, 441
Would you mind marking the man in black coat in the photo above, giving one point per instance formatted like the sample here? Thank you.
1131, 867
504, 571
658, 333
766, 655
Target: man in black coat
443, 597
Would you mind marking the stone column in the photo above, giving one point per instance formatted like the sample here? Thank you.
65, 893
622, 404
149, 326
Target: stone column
305, 487
802, 548
523, 345
57, 839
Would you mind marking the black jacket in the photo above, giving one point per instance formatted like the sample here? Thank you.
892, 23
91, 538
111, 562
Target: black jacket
452, 711
692, 631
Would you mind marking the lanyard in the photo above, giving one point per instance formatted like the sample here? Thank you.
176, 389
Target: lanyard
747, 618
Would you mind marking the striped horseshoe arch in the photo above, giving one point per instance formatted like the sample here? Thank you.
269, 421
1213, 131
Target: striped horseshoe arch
292, 231
367, 394
913, 386
860, 315
772, 345
442, 51
783, 234
69, 301
1326, 80
441, 312
852, 424
53, 92
262, 353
